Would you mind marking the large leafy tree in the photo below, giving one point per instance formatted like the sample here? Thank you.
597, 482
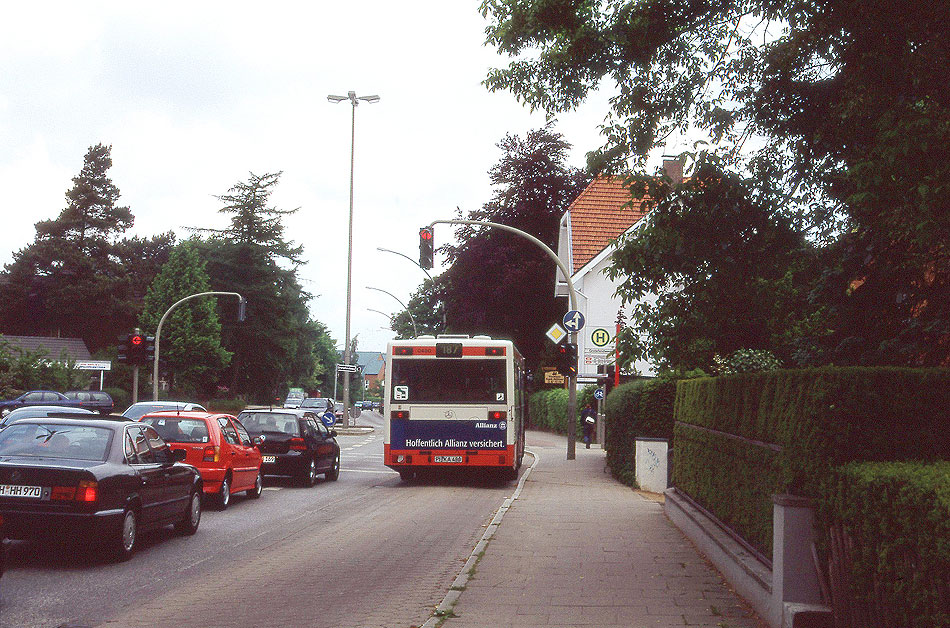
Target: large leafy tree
500, 283
836, 111
428, 311
190, 344
275, 345
77, 278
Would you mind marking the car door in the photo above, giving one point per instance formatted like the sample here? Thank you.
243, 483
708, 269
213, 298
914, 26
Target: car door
325, 450
251, 456
234, 455
151, 474
178, 478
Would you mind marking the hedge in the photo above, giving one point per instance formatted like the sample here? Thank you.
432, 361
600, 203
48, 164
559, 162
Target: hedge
819, 418
896, 519
641, 408
547, 409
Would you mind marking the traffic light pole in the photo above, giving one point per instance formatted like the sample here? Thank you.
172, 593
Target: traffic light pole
158, 332
572, 337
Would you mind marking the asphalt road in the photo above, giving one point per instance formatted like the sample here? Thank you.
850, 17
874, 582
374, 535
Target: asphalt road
365, 551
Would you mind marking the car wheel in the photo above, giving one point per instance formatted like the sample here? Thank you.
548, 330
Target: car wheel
255, 492
224, 497
406, 475
309, 477
334, 473
125, 542
189, 524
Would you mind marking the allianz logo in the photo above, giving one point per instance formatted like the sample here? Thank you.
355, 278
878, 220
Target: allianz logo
501, 425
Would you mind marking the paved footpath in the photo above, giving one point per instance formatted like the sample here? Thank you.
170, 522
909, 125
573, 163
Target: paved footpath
577, 548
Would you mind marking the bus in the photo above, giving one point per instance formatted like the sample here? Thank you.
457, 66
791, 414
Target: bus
454, 402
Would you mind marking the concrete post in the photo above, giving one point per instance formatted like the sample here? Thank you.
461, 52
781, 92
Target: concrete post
651, 464
794, 579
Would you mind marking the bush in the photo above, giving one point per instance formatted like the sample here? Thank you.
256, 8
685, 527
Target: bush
226, 406
636, 409
742, 438
120, 398
896, 517
547, 409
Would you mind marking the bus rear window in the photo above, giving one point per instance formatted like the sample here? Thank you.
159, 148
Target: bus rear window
448, 381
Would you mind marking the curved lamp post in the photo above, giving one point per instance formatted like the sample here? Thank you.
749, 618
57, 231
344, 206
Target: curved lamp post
415, 330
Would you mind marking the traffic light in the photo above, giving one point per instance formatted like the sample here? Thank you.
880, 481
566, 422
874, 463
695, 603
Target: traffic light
567, 359
426, 250
149, 349
136, 349
123, 354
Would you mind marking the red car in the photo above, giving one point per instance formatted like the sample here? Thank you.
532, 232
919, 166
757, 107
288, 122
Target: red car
218, 445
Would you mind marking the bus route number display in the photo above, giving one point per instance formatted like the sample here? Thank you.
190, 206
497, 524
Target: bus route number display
448, 350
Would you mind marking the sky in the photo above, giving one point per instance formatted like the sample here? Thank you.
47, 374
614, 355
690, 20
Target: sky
194, 96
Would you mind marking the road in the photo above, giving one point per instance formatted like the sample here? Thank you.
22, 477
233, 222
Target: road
365, 551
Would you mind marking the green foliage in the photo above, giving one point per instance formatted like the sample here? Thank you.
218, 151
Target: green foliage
547, 409
636, 409
897, 515
838, 113
121, 399
190, 343
227, 406
21, 371
820, 418
499, 283
428, 311
746, 361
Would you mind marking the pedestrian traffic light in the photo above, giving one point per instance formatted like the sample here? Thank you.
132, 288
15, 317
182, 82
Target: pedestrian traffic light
136, 349
567, 359
426, 250
123, 353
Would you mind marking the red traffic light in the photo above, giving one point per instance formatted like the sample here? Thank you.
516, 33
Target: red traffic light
136, 340
425, 234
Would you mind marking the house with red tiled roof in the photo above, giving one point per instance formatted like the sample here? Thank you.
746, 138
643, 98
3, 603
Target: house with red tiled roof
603, 212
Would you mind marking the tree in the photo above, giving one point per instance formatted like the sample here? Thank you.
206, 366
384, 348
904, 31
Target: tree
190, 345
499, 283
76, 279
844, 100
428, 311
274, 347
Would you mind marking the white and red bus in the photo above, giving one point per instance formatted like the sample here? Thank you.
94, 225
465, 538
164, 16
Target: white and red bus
454, 401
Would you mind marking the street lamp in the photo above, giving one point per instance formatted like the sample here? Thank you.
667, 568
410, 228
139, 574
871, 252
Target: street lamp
379, 248
354, 100
415, 331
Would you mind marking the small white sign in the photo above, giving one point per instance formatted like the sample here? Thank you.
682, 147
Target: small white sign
93, 365
556, 334
400, 393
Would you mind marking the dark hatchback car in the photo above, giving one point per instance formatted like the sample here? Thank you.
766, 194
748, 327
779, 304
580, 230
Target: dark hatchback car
31, 412
95, 481
95, 400
294, 442
37, 398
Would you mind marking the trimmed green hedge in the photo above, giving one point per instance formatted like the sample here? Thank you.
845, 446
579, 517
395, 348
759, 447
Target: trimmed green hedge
641, 408
821, 419
897, 517
547, 409
226, 406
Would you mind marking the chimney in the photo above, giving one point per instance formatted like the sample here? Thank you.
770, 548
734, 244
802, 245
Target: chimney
673, 168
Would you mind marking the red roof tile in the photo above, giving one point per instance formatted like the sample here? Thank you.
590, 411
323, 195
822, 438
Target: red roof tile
603, 211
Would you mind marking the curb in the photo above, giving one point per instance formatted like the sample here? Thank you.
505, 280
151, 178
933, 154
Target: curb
444, 609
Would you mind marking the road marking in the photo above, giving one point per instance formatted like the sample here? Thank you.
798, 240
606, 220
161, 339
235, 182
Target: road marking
370, 471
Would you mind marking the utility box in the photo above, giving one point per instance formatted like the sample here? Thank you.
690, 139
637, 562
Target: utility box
652, 465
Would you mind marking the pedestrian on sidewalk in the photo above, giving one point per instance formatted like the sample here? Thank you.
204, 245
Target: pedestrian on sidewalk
588, 416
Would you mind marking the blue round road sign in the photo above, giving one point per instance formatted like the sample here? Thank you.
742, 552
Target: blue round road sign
599, 393
573, 321
328, 418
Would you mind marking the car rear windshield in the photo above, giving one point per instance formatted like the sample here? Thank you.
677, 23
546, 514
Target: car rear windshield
448, 381
259, 422
179, 430
76, 442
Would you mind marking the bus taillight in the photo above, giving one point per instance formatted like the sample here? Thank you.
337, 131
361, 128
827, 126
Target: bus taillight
399, 414
497, 415
402, 350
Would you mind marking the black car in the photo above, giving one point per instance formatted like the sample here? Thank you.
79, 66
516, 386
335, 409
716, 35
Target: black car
95, 400
95, 481
31, 412
294, 442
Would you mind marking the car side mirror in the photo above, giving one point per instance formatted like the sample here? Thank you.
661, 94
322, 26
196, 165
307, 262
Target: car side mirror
179, 455
332, 433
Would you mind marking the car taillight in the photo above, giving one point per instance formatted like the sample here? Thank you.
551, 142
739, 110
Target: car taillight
298, 444
497, 415
211, 453
399, 414
87, 491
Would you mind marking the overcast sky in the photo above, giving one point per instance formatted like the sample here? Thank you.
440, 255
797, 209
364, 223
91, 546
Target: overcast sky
195, 95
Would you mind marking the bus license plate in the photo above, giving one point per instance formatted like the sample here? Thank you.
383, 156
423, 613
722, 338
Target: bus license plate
268, 459
446, 458
15, 490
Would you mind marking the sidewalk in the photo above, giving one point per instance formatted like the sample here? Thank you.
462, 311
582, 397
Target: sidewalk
577, 548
